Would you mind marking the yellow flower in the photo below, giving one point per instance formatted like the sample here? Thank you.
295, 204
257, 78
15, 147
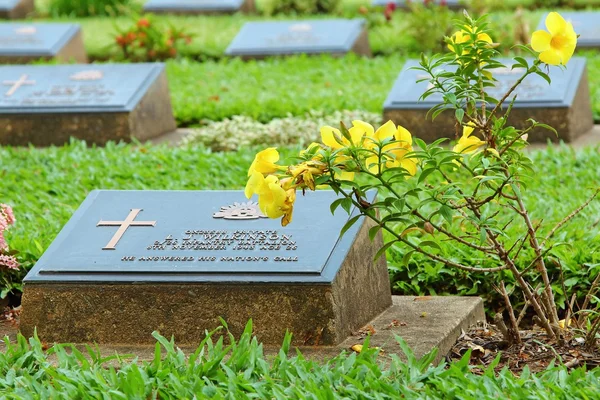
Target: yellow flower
271, 196
463, 36
468, 144
358, 130
264, 162
558, 45
396, 150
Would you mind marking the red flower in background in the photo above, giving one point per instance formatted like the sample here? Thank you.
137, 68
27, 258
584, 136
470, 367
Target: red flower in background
389, 10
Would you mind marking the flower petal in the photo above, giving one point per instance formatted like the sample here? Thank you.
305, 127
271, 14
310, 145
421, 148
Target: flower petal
254, 182
327, 136
550, 57
404, 137
555, 23
540, 41
385, 131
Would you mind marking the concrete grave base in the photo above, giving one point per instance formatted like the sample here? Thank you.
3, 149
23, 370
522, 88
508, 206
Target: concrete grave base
21, 10
72, 51
318, 313
150, 118
423, 322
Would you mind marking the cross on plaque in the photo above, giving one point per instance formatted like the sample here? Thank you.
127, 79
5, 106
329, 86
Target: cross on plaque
123, 225
17, 84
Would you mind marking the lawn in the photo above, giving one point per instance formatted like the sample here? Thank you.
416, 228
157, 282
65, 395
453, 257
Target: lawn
46, 186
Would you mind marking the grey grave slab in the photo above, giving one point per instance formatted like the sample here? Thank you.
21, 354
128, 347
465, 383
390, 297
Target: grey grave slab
46, 105
452, 4
185, 258
26, 42
564, 105
335, 36
14, 9
199, 6
585, 23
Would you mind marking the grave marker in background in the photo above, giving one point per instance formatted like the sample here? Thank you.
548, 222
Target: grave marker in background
46, 105
564, 105
586, 24
15, 9
336, 36
199, 6
131, 262
26, 42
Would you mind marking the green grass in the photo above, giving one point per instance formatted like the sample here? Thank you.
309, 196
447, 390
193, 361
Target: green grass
241, 371
45, 187
277, 87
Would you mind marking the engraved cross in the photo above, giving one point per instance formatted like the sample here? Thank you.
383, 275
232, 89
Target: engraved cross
123, 225
15, 85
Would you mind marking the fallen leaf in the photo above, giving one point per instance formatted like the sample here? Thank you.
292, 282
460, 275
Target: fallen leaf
423, 298
423, 314
357, 348
214, 98
395, 323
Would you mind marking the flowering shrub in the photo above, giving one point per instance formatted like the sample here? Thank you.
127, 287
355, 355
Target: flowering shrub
146, 40
88, 8
270, 7
429, 194
9, 265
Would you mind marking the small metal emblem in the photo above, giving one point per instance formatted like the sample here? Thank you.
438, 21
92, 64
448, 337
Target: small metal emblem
248, 210
90, 75
26, 30
300, 28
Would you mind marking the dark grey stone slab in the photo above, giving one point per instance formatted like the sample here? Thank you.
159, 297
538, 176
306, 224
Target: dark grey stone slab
188, 243
198, 6
454, 4
180, 262
564, 104
22, 42
47, 104
586, 24
336, 36
13, 9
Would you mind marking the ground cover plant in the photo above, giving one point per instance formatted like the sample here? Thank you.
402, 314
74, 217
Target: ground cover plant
240, 370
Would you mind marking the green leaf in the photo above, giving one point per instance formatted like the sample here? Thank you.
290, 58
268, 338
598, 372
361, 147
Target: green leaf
373, 232
349, 224
430, 243
459, 113
446, 213
382, 250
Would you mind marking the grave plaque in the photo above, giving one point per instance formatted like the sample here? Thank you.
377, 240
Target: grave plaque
15, 9
46, 105
199, 6
130, 262
586, 24
564, 105
452, 4
338, 37
25, 42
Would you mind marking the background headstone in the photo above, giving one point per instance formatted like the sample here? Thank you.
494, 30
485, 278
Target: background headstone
131, 262
25, 42
199, 6
452, 4
46, 105
564, 105
586, 24
15, 9
336, 36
